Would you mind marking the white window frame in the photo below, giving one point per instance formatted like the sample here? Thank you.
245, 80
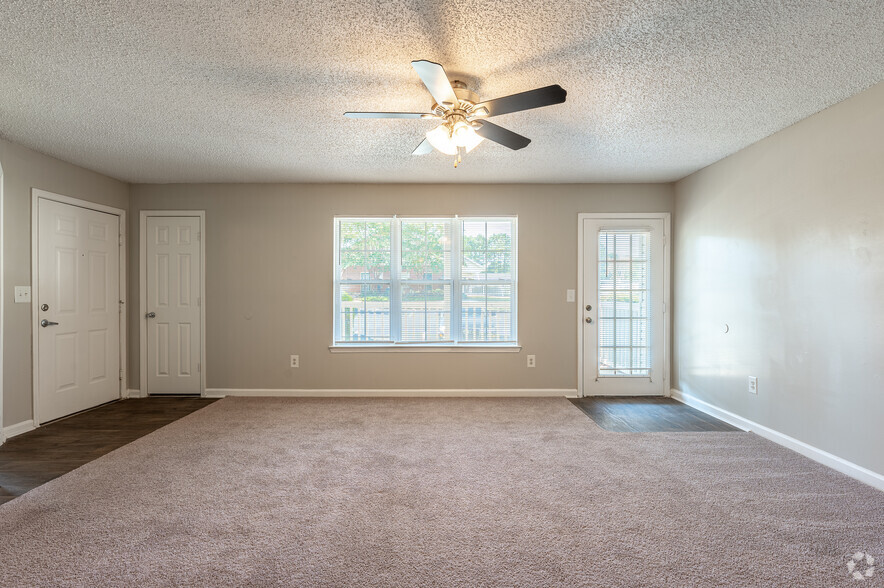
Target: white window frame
396, 283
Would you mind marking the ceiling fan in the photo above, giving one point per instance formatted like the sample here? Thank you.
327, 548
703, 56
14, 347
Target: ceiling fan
464, 116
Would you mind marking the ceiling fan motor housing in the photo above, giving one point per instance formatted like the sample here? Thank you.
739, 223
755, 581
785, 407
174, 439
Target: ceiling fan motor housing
467, 98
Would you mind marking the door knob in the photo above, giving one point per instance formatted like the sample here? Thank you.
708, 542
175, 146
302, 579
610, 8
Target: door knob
151, 315
45, 323
588, 319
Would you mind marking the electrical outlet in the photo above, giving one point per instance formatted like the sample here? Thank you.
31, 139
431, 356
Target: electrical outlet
753, 384
532, 361
296, 361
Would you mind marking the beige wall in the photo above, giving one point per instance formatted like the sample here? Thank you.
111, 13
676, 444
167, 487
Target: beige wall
23, 170
269, 281
784, 241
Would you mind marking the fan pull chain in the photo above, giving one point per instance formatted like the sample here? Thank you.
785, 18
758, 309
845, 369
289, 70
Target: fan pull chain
461, 151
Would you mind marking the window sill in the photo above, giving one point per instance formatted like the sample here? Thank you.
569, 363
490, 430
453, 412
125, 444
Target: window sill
425, 348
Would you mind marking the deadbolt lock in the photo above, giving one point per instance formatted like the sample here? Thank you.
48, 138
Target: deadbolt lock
589, 307
588, 320
44, 308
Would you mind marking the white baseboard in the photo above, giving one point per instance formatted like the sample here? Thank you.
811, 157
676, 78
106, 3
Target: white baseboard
409, 393
824, 457
130, 393
18, 428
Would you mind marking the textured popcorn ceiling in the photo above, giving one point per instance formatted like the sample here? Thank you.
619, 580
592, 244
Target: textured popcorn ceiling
236, 91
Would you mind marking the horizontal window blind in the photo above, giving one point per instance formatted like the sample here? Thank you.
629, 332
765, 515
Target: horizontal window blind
430, 281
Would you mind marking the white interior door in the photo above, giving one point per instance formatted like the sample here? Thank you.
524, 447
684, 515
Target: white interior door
623, 307
78, 330
173, 299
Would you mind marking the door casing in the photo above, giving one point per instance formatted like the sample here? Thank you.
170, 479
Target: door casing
36, 195
581, 268
142, 306
2, 312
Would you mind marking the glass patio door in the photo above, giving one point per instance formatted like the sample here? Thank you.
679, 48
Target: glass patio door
623, 307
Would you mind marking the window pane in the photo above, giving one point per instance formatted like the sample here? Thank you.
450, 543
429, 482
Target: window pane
606, 275
606, 332
352, 265
621, 304
499, 265
622, 244
377, 235
640, 333
365, 312
473, 267
624, 304
352, 235
499, 309
426, 313
425, 271
639, 304
623, 359
486, 313
364, 249
639, 275
426, 249
473, 236
622, 276
500, 234
640, 246
487, 250
606, 361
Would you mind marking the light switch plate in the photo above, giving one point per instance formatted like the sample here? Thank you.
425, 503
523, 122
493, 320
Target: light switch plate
22, 294
569, 296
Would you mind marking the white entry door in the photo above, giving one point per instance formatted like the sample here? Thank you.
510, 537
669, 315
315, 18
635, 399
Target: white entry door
623, 306
173, 298
78, 314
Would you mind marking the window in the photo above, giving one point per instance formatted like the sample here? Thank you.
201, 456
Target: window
624, 302
425, 281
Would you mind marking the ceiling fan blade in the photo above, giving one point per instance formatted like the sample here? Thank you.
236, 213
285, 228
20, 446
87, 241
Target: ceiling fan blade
386, 115
505, 137
434, 78
423, 148
547, 96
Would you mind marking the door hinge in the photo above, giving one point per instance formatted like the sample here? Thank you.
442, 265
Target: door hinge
664, 308
121, 375
199, 235
199, 301
121, 238
198, 367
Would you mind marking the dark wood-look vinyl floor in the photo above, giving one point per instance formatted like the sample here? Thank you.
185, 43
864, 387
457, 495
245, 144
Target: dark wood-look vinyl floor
647, 414
34, 458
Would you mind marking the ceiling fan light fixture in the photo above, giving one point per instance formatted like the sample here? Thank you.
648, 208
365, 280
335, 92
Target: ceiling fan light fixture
460, 109
447, 137
466, 136
440, 139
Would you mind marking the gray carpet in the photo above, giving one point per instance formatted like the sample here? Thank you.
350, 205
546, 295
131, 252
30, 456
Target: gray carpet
438, 492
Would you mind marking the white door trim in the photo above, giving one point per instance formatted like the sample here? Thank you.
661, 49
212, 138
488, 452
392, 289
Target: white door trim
36, 195
667, 313
2, 301
142, 298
